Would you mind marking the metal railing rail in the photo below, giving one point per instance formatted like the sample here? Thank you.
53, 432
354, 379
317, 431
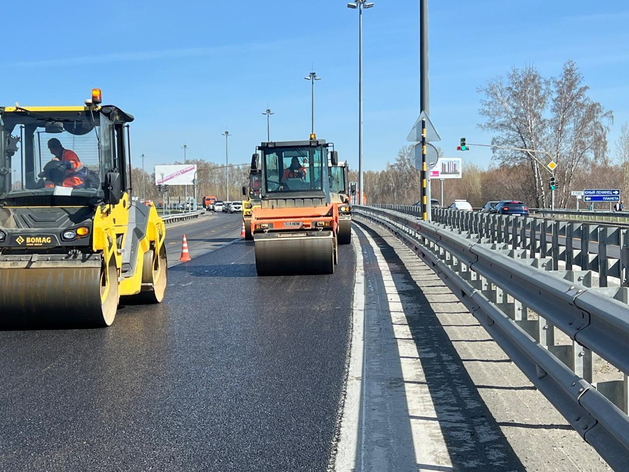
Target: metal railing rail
169, 219
602, 249
504, 286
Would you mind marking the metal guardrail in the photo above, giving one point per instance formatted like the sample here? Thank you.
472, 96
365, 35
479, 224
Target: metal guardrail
602, 249
592, 215
520, 298
169, 219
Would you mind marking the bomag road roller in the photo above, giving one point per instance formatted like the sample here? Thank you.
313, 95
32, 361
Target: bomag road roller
295, 228
71, 240
251, 198
339, 191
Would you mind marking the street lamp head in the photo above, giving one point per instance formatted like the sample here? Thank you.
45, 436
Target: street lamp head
317, 78
353, 6
368, 5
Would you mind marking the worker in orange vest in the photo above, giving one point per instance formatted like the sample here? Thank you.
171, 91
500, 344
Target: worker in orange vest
74, 175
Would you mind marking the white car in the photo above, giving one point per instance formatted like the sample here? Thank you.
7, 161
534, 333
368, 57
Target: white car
218, 206
461, 205
235, 207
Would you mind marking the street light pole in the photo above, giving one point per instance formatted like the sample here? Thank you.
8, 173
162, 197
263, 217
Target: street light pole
143, 178
227, 135
359, 5
185, 161
312, 77
268, 114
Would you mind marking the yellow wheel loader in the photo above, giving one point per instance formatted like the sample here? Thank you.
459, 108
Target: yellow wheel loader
72, 242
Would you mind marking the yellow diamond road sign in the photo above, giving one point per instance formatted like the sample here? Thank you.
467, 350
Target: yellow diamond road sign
552, 165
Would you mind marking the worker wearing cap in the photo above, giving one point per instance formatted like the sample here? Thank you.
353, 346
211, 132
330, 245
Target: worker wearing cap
74, 170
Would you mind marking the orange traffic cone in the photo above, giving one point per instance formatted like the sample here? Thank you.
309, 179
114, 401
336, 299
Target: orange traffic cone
242, 230
185, 255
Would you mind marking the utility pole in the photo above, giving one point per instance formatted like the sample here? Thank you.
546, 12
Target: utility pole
312, 77
268, 114
424, 95
143, 178
185, 187
227, 135
360, 5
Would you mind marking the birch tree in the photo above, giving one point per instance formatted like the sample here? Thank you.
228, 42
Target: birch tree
553, 116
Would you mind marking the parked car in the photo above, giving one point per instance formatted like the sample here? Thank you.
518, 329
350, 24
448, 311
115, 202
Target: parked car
218, 206
489, 206
433, 203
235, 207
511, 207
461, 205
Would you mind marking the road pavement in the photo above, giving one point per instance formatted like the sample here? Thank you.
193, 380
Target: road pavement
231, 372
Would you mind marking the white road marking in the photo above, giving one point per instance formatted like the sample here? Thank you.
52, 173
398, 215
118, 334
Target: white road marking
430, 450
346, 452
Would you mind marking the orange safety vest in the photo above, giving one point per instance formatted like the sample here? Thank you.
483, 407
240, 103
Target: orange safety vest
293, 174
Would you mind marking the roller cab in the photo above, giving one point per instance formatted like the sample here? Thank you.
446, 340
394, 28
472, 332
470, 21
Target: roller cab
295, 228
72, 242
339, 191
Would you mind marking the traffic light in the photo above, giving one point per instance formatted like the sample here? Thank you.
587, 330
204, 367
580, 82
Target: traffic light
553, 183
159, 188
463, 146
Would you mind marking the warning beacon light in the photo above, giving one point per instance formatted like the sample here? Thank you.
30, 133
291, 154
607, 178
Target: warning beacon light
97, 96
313, 136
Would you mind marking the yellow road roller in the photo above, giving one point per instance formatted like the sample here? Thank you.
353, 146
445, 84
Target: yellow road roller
251, 198
72, 241
296, 225
339, 191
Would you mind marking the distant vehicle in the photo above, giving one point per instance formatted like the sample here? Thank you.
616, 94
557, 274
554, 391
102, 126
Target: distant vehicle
226, 207
218, 205
434, 203
208, 200
235, 207
461, 205
489, 206
511, 207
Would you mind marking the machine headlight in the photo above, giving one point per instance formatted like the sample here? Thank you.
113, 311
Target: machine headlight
345, 209
69, 235
82, 231
3, 236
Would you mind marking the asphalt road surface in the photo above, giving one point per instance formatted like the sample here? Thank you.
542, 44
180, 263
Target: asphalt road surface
231, 372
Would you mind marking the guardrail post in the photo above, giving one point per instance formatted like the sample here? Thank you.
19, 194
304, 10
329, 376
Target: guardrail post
543, 239
533, 238
555, 244
602, 255
584, 256
570, 232
624, 258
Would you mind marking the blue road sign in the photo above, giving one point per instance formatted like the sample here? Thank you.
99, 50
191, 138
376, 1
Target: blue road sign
601, 198
602, 193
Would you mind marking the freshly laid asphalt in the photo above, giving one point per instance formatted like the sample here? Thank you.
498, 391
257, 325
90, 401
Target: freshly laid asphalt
231, 372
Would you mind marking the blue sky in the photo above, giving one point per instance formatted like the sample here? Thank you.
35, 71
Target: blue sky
189, 70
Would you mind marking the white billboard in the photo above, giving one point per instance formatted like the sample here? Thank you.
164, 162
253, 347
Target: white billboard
447, 168
175, 174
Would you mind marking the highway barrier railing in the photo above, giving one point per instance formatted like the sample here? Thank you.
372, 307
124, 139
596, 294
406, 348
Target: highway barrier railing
520, 298
191, 215
591, 215
602, 249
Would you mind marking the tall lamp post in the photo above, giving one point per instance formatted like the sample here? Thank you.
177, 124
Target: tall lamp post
143, 178
312, 77
185, 187
227, 135
360, 5
268, 114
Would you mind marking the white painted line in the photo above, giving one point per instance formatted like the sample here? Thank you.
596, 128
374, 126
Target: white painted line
430, 449
346, 450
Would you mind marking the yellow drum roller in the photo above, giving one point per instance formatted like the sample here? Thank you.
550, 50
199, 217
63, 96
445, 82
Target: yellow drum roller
72, 242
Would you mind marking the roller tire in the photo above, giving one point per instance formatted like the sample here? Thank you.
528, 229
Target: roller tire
155, 273
345, 233
248, 233
109, 295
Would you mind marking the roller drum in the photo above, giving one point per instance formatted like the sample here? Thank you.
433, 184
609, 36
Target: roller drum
281, 254
345, 231
44, 294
